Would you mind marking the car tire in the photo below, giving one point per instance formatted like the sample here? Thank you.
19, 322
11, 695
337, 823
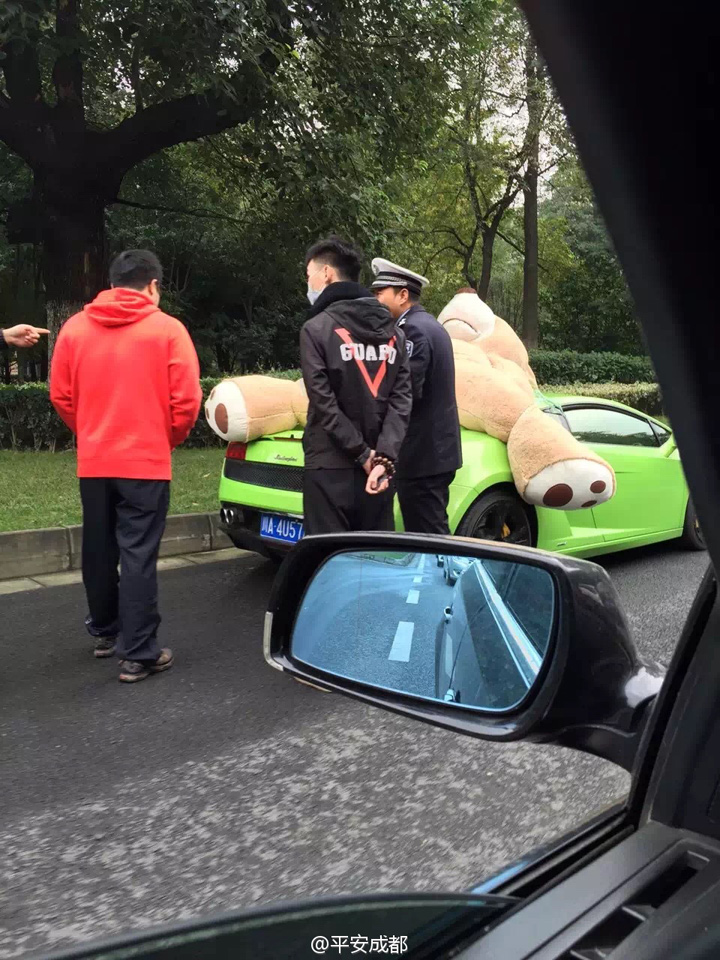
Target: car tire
500, 516
692, 538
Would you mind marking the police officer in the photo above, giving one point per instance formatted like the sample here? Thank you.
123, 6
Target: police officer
431, 453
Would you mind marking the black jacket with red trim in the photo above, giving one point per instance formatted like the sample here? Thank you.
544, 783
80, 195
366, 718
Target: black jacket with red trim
357, 375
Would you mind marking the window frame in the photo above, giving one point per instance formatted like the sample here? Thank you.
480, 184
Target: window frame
657, 428
623, 412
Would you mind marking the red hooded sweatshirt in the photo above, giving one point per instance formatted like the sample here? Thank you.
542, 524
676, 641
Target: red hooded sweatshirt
125, 378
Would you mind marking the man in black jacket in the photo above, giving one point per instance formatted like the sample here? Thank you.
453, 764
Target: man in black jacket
431, 454
356, 372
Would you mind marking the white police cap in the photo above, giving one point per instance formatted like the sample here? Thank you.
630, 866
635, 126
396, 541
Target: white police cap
389, 274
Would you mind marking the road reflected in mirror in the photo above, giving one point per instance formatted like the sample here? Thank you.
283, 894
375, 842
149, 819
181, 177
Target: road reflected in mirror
465, 631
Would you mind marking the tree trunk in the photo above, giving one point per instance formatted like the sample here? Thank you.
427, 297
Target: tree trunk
73, 248
488, 246
531, 323
470, 278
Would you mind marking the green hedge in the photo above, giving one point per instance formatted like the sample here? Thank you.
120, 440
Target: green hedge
28, 421
642, 396
566, 366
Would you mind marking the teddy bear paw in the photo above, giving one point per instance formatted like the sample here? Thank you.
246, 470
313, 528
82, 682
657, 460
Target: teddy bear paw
571, 485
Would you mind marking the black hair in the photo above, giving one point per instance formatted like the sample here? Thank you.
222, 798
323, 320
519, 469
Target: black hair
337, 253
135, 269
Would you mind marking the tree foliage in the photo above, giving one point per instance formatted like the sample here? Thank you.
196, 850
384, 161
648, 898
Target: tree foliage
588, 304
230, 134
92, 90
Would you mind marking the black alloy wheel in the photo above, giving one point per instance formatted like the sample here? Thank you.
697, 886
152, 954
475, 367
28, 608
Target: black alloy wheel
499, 516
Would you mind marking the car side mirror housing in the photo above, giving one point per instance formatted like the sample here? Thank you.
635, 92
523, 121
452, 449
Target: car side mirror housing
497, 641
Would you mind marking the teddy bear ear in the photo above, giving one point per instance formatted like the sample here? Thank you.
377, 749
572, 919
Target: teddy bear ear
467, 290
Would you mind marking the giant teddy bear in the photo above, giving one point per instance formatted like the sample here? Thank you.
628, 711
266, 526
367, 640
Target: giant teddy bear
496, 394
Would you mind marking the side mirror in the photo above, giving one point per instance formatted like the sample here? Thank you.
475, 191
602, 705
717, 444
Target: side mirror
500, 642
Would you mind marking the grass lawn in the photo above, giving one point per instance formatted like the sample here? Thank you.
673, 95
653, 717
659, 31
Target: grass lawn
41, 489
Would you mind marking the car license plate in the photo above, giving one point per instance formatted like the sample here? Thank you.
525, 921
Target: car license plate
282, 529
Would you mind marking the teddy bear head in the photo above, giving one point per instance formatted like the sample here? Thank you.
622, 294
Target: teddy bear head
467, 317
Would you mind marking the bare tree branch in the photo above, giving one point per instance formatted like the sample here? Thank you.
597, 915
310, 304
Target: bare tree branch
21, 70
511, 243
68, 71
503, 204
192, 117
188, 118
230, 161
22, 109
515, 246
471, 182
555, 163
452, 232
437, 253
135, 73
201, 214
135, 78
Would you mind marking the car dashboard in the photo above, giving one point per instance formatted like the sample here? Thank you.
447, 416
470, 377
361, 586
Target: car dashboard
652, 896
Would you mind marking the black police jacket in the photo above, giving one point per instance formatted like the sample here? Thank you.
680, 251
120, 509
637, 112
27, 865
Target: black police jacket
432, 444
356, 371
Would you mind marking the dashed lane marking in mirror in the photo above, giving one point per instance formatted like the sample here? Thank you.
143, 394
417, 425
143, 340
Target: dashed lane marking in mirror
402, 644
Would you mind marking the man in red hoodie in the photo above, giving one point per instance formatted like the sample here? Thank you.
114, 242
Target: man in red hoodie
125, 378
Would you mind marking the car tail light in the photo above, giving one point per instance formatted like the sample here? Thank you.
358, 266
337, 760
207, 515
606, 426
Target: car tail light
236, 451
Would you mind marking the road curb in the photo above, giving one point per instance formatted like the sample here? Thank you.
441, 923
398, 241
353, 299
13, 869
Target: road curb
69, 577
31, 553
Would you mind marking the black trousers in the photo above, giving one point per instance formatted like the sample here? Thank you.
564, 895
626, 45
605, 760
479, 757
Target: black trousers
123, 521
424, 503
334, 501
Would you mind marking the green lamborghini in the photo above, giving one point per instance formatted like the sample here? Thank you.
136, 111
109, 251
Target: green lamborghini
262, 510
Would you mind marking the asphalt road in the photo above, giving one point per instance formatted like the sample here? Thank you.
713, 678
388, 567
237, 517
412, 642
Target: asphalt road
224, 784
376, 622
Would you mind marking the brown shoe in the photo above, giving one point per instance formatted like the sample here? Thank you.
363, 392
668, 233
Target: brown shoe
163, 662
105, 647
131, 671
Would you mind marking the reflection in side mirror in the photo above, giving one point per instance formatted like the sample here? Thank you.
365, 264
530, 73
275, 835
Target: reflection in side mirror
455, 629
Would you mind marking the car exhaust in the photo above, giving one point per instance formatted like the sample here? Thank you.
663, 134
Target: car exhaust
229, 516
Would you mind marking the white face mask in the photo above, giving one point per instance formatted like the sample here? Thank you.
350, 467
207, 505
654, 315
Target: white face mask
313, 295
